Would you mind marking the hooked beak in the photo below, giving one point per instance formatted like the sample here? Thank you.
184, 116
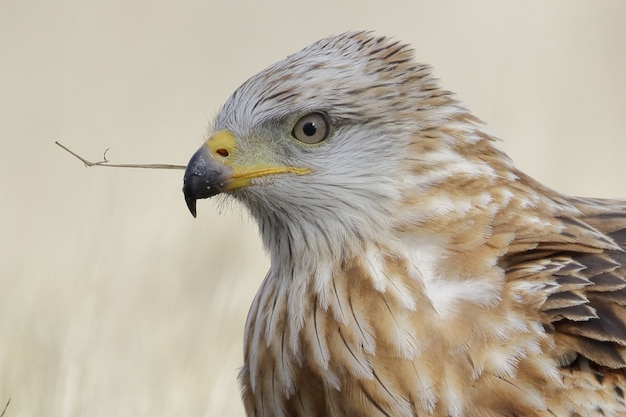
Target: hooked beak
213, 169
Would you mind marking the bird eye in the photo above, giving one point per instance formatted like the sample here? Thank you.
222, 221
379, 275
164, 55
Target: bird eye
312, 128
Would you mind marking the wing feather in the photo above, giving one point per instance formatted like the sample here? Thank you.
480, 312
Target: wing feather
583, 271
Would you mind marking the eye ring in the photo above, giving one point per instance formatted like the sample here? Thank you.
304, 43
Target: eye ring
312, 128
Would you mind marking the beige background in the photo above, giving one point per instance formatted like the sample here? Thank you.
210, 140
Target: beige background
115, 302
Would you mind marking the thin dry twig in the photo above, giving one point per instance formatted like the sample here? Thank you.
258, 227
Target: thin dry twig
5, 407
105, 163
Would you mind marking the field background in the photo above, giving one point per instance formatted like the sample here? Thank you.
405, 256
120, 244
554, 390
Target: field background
114, 301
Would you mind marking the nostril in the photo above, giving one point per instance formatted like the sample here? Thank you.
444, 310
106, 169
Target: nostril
222, 152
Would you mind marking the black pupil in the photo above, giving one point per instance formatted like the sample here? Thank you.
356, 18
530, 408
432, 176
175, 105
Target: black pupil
309, 129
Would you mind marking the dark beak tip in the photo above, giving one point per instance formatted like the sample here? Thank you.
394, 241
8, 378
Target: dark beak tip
191, 203
192, 208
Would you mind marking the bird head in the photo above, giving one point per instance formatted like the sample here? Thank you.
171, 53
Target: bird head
324, 146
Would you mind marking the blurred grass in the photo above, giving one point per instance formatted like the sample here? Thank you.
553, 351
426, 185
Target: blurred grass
116, 301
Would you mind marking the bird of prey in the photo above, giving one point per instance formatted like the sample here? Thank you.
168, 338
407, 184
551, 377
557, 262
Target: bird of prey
415, 271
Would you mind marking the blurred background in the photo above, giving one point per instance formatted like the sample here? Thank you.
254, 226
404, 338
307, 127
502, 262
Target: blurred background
115, 301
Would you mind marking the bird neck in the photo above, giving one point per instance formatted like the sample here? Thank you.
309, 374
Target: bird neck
387, 324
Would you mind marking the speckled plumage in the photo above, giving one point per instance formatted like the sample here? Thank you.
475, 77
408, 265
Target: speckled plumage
414, 270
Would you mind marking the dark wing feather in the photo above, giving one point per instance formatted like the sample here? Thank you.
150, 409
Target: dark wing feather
586, 282
602, 338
